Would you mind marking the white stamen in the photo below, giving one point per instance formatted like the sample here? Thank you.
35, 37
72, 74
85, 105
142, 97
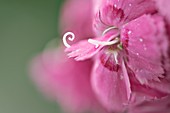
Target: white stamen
108, 29
103, 43
129, 32
115, 56
141, 40
71, 38
115, 5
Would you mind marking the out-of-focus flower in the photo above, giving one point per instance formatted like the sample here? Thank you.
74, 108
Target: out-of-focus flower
65, 80
152, 106
125, 68
76, 16
163, 8
131, 54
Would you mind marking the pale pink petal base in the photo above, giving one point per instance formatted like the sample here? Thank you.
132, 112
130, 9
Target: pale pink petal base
65, 81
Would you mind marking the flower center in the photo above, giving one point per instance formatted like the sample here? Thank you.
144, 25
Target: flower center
109, 58
109, 46
106, 43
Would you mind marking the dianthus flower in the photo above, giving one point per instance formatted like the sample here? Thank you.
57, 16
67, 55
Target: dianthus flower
65, 80
131, 59
123, 67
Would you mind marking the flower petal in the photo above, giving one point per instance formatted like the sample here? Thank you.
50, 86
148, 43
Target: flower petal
66, 81
74, 20
127, 80
84, 50
141, 92
110, 87
118, 12
145, 48
163, 6
154, 106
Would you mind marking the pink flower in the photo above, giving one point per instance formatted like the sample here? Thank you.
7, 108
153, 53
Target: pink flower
152, 106
72, 19
132, 61
163, 8
65, 80
123, 68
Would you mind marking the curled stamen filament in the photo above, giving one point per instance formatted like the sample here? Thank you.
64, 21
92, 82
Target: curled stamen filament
103, 43
108, 29
70, 38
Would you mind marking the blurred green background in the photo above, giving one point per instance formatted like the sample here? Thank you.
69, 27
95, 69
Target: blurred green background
25, 27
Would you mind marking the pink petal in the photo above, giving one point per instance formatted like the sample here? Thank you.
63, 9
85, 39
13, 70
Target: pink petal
76, 16
66, 81
110, 87
163, 6
118, 12
127, 80
144, 48
145, 99
141, 92
98, 25
155, 106
84, 50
